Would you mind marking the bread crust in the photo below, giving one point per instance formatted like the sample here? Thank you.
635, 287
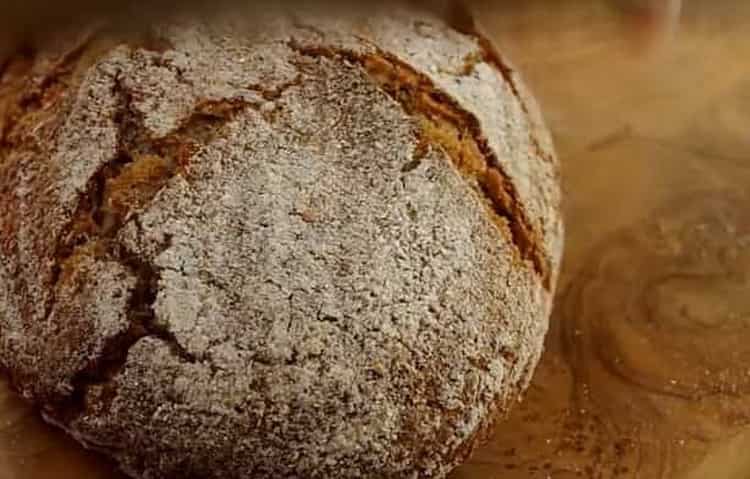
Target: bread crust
317, 249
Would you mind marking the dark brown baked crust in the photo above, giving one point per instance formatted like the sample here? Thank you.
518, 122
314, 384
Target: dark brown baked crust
312, 250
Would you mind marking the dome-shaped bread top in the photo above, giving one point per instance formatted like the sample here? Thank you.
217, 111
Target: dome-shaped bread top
313, 249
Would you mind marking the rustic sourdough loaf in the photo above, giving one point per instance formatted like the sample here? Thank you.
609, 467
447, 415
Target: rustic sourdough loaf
313, 249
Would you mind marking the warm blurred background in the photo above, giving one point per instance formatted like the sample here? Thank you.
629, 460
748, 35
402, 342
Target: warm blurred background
647, 368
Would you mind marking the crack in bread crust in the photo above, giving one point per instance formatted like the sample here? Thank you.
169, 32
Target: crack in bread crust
444, 124
112, 197
490, 55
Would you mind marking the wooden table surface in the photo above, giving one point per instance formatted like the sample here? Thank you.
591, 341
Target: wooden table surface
647, 369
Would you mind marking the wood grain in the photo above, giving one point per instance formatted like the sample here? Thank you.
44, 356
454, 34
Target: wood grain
647, 368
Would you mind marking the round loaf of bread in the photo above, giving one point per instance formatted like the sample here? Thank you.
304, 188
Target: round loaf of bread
309, 249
